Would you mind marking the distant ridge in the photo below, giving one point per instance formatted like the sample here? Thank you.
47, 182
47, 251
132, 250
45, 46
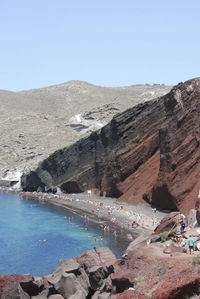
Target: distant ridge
36, 122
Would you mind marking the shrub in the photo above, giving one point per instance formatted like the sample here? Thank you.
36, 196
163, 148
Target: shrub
171, 265
196, 260
139, 282
164, 236
161, 270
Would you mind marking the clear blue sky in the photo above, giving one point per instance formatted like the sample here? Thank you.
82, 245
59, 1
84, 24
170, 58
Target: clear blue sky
104, 42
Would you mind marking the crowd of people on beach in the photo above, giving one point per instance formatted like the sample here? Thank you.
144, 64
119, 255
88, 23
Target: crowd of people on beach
130, 219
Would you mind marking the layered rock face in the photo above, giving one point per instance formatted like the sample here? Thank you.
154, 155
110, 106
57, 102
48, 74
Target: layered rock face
179, 174
106, 157
149, 152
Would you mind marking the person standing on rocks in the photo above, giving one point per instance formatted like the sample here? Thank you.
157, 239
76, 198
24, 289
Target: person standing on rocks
191, 244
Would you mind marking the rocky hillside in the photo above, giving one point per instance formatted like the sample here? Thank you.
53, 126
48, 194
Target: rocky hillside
37, 122
149, 152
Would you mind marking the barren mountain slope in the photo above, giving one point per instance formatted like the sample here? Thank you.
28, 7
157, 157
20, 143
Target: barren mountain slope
37, 122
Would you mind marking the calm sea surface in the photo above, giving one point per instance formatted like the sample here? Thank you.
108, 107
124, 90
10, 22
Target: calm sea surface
33, 237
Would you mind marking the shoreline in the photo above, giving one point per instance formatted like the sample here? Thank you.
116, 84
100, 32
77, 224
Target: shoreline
102, 209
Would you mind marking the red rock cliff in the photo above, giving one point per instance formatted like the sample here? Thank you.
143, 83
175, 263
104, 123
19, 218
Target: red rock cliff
149, 152
178, 180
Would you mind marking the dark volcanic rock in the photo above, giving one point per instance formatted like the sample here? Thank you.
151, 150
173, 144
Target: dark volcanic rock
121, 281
69, 279
149, 152
7, 183
98, 264
10, 285
105, 158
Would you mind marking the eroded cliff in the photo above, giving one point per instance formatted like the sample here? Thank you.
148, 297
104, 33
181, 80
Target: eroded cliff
106, 157
149, 152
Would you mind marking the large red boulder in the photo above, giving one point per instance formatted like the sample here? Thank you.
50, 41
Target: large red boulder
168, 223
10, 283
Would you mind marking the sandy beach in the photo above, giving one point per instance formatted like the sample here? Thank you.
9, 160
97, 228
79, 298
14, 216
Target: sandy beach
138, 219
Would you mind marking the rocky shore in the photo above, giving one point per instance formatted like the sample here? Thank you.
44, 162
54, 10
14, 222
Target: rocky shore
149, 268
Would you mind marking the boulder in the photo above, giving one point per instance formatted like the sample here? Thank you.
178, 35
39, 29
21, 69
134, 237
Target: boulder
139, 241
98, 264
13, 290
168, 223
11, 283
68, 286
69, 278
66, 266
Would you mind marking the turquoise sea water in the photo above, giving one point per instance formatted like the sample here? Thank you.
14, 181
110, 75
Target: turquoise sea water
33, 237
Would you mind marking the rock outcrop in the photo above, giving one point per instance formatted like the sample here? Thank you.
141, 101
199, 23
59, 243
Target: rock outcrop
76, 278
150, 152
179, 137
160, 275
106, 157
144, 272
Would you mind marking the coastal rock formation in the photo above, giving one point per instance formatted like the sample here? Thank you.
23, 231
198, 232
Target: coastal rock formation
177, 184
10, 285
159, 275
106, 157
144, 153
76, 278
144, 272
168, 223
